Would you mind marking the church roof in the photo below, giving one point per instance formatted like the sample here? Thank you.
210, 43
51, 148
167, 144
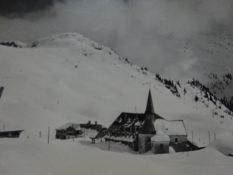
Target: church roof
126, 120
170, 127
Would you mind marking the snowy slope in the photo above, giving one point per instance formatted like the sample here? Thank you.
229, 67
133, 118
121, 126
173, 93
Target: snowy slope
222, 86
68, 78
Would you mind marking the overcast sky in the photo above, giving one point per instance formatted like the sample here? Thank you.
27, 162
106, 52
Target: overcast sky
174, 37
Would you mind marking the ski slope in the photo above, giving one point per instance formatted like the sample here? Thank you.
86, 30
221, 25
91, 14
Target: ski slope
69, 78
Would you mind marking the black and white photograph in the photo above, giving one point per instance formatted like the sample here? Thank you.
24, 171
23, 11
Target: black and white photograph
116, 87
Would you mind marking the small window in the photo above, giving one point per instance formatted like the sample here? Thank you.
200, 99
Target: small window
176, 140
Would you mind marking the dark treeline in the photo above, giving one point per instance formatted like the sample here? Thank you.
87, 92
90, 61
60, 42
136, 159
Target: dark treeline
170, 84
204, 90
228, 103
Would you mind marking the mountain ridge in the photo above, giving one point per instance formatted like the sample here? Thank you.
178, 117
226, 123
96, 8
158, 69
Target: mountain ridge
69, 59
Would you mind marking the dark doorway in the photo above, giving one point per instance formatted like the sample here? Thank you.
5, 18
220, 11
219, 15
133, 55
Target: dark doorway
161, 149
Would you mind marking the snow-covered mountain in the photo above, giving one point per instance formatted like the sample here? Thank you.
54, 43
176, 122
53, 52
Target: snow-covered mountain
69, 78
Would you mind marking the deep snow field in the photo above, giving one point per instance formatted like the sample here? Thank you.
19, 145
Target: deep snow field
68, 78
36, 157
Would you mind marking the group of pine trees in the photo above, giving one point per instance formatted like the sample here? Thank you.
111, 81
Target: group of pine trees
227, 103
169, 84
10, 44
204, 90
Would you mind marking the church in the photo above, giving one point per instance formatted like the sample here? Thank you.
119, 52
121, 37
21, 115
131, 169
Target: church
148, 131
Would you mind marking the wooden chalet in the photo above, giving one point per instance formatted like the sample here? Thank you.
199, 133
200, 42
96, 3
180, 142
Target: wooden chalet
10, 134
69, 130
74, 130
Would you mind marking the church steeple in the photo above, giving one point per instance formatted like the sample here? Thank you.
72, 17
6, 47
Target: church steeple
149, 106
148, 126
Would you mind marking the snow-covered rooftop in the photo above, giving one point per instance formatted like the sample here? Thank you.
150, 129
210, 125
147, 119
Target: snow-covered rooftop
67, 125
160, 137
170, 127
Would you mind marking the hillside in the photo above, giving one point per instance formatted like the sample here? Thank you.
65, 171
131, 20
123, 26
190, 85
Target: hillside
68, 78
221, 85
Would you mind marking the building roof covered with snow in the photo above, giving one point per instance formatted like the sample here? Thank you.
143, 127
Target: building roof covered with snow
68, 125
170, 127
160, 137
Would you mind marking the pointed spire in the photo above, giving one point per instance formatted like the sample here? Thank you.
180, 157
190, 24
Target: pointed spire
149, 106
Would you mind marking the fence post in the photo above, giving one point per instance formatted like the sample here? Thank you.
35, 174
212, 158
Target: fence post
48, 135
108, 145
192, 136
209, 137
40, 134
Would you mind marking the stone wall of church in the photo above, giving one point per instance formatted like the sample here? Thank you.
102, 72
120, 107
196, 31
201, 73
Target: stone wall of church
144, 142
